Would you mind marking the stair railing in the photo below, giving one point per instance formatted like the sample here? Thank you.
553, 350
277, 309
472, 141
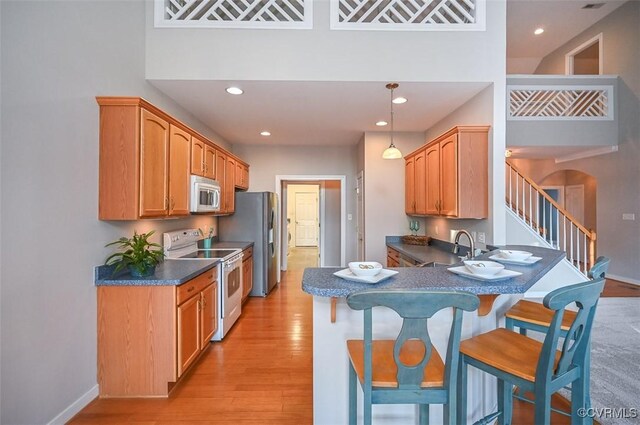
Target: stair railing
550, 220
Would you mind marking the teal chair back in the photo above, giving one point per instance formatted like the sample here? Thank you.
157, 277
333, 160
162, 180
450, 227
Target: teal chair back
599, 268
575, 344
415, 308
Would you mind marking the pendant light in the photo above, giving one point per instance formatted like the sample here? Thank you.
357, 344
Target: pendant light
392, 152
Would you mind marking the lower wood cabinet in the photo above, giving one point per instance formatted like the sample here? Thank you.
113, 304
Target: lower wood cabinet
393, 258
149, 336
247, 273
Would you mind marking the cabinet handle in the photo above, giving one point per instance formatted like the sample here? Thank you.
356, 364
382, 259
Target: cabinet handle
191, 289
199, 305
204, 303
166, 203
173, 203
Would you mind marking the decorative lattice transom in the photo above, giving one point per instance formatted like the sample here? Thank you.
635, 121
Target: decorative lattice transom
535, 102
234, 13
408, 14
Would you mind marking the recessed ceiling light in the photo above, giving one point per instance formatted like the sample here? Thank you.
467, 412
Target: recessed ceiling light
538, 31
265, 133
381, 123
234, 90
399, 100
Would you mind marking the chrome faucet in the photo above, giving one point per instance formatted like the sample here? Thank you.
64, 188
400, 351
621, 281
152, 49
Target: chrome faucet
472, 245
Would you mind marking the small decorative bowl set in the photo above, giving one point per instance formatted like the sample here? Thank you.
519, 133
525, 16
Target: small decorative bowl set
365, 272
494, 270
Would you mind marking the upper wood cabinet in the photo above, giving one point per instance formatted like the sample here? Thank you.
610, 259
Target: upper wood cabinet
242, 176
146, 158
409, 185
230, 186
221, 177
455, 174
415, 191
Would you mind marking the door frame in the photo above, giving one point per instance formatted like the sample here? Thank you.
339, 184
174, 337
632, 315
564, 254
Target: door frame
568, 58
343, 213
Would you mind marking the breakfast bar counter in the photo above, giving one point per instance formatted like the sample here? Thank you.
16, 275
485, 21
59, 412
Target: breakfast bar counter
330, 360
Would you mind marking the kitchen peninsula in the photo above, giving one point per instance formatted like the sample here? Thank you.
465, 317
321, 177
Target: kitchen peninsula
330, 360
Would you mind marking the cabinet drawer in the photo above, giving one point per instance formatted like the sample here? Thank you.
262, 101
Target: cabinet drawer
393, 254
195, 285
247, 253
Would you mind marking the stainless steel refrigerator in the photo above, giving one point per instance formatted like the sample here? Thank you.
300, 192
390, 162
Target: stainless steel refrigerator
256, 220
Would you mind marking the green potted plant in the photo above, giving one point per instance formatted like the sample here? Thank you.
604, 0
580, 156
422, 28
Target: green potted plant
139, 255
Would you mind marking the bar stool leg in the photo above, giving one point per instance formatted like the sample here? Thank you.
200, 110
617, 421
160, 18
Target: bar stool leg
542, 409
353, 395
367, 406
579, 399
461, 415
424, 414
505, 402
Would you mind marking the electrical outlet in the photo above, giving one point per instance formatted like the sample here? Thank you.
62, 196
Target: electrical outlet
629, 216
481, 237
437, 230
349, 217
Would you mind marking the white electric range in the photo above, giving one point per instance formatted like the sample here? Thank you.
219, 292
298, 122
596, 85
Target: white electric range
183, 245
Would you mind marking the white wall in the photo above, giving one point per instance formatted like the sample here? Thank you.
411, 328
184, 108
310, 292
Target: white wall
320, 54
56, 57
332, 231
269, 161
618, 173
384, 191
477, 111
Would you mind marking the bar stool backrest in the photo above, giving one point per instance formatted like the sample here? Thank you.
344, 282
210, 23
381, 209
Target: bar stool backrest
415, 308
574, 348
599, 268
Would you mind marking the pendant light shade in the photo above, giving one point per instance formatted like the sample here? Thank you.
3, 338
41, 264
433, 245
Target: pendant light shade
392, 152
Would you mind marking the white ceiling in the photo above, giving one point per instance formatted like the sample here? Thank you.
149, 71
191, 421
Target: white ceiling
314, 113
335, 113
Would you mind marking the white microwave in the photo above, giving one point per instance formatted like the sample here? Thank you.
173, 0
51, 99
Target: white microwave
205, 195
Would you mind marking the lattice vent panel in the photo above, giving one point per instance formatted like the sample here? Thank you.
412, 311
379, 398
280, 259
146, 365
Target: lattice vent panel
588, 103
234, 13
408, 14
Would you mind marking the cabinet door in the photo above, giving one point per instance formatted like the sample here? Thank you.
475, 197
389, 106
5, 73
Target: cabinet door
230, 185
179, 166
449, 176
409, 186
208, 314
239, 175
188, 333
247, 276
420, 183
154, 161
197, 157
221, 169
245, 177
209, 162
432, 176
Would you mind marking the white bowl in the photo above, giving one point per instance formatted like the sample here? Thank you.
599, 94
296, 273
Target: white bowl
515, 255
365, 268
483, 268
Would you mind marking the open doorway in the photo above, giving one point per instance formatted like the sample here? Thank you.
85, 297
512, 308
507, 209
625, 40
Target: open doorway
331, 220
303, 225
585, 59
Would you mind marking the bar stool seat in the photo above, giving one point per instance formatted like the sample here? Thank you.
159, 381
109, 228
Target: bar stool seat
533, 315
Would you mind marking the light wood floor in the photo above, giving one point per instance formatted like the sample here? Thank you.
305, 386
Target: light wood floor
301, 257
260, 374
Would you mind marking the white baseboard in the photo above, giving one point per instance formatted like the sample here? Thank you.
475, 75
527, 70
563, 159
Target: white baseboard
623, 279
75, 407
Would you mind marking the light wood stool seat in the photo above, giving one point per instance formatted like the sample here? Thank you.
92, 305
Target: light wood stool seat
384, 371
534, 313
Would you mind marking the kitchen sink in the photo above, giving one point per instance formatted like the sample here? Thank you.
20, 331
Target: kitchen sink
433, 264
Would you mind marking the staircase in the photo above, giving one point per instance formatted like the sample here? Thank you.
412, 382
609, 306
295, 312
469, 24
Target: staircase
555, 227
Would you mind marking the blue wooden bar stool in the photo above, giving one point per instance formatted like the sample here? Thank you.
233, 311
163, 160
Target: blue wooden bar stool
533, 366
409, 369
530, 315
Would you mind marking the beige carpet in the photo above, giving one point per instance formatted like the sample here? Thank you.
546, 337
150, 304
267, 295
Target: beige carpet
302, 257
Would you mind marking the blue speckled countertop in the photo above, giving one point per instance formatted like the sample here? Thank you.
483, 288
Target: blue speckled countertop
321, 281
169, 272
438, 251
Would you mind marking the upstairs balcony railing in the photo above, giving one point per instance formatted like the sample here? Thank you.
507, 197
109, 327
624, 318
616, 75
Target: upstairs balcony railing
549, 220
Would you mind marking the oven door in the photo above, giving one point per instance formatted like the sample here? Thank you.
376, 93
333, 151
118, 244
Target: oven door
232, 287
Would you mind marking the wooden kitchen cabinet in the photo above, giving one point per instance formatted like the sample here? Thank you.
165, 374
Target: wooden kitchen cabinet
221, 177
242, 176
146, 158
409, 185
230, 186
247, 273
456, 173
149, 336
415, 191
393, 258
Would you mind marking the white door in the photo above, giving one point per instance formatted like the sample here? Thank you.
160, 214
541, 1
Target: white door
574, 201
306, 216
